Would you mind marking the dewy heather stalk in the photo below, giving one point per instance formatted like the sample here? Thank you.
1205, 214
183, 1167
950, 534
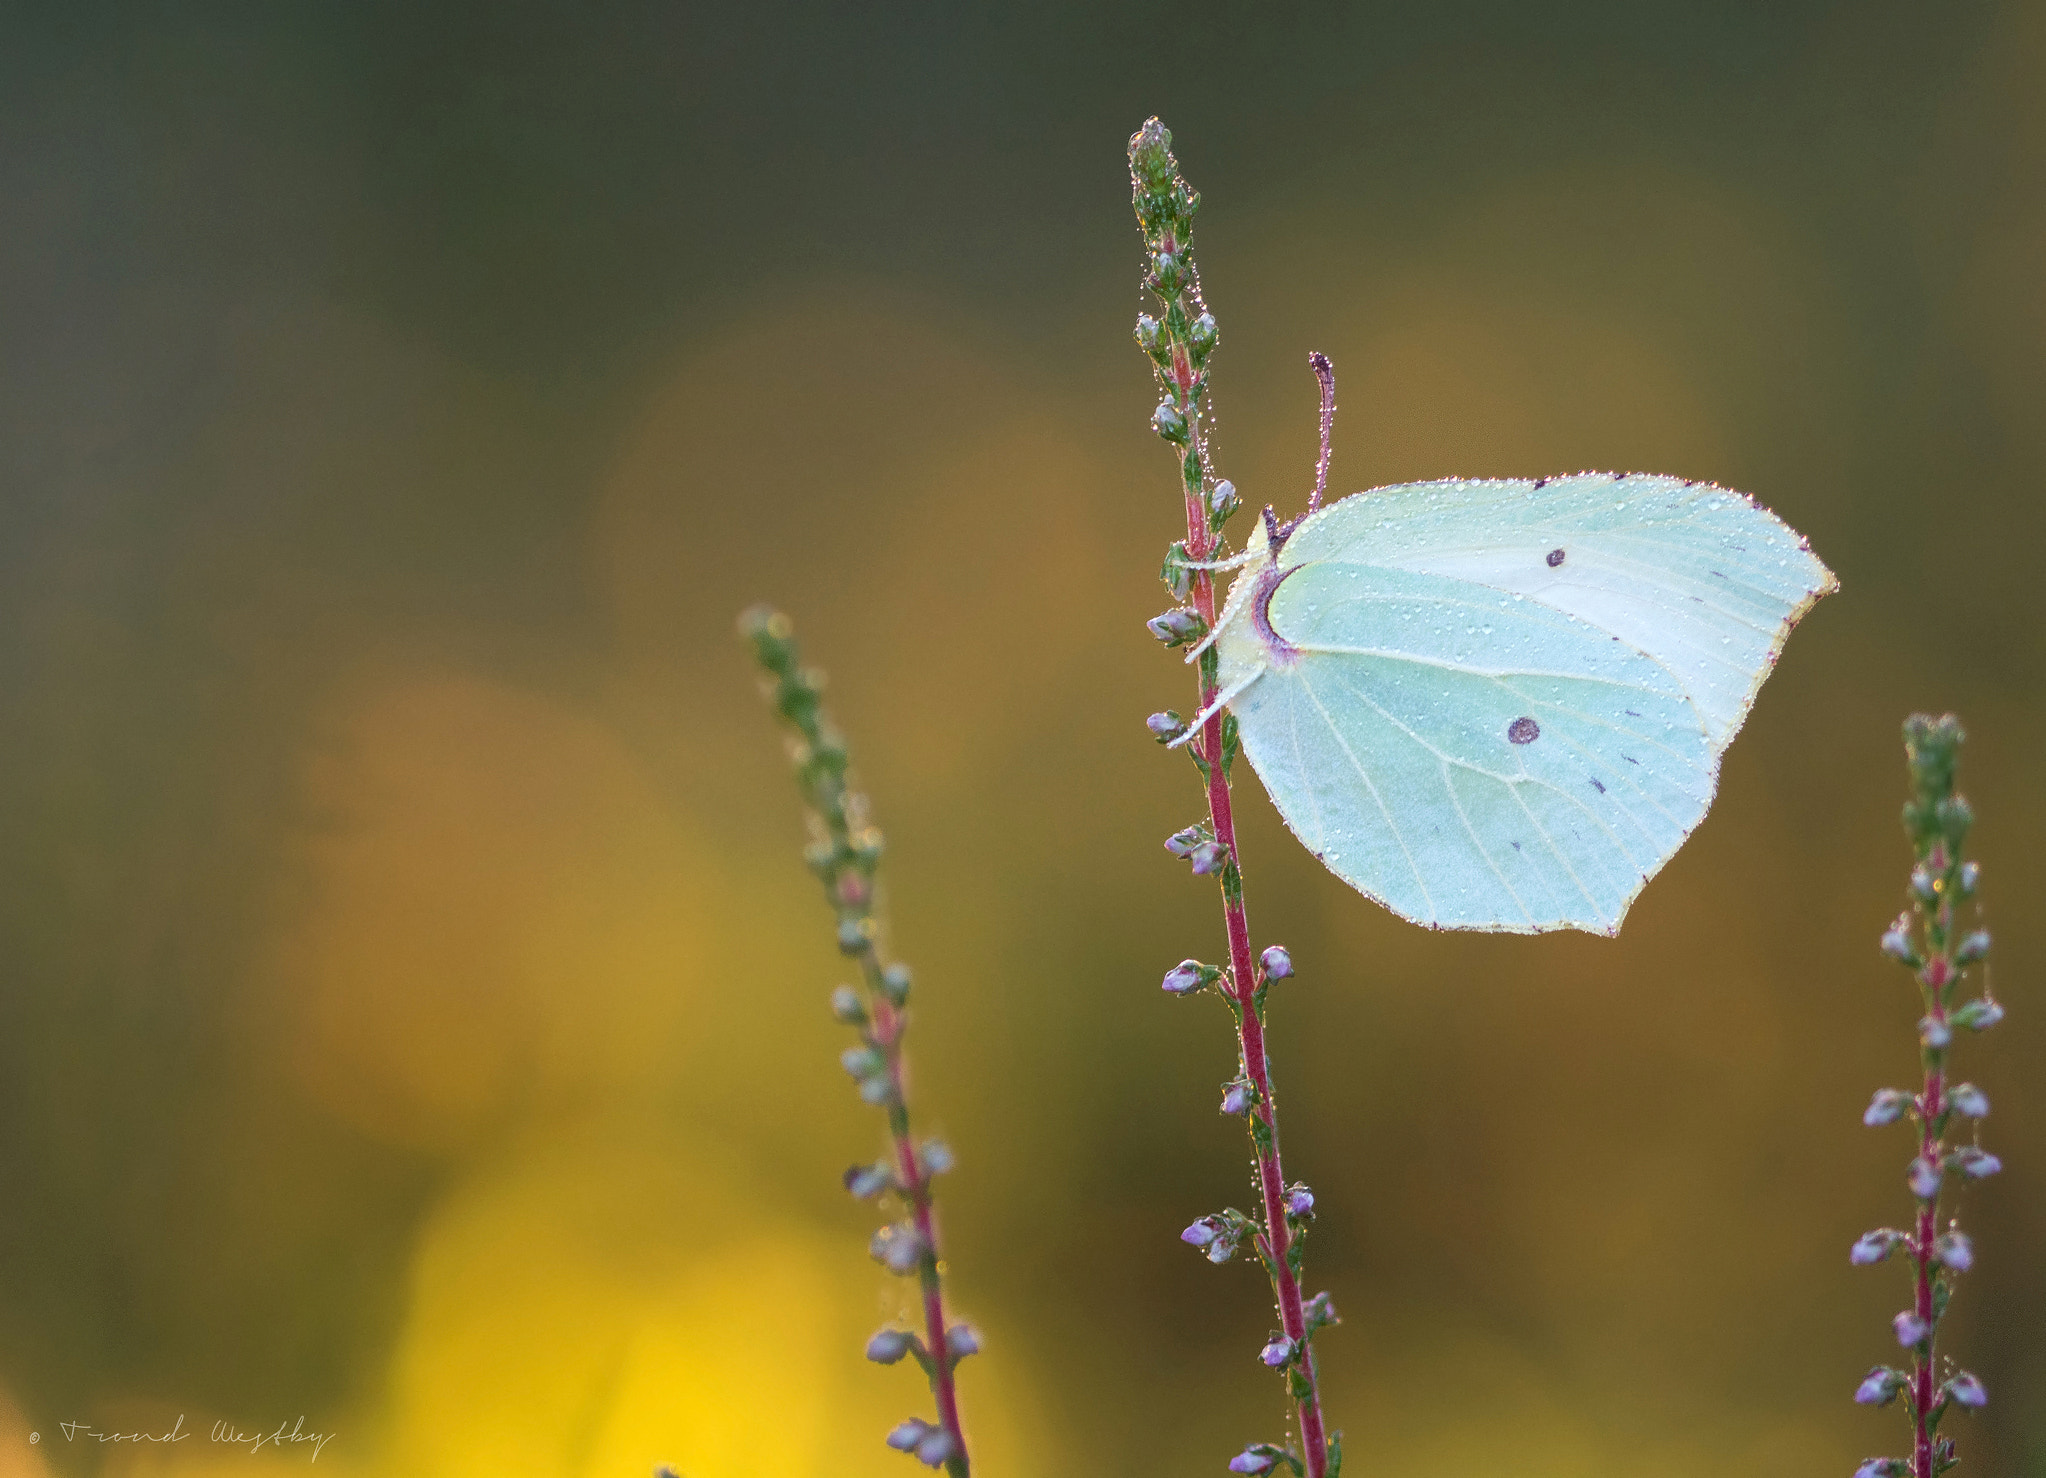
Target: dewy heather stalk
1178, 343
844, 853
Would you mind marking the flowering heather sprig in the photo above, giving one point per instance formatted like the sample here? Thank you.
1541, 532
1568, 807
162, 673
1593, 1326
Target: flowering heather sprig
1931, 939
1178, 343
844, 852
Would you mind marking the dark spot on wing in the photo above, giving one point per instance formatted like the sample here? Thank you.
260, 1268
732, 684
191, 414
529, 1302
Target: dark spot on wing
1555, 558
1715, 574
1630, 713
1598, 786
1630, 759
1523, 730
1541, 482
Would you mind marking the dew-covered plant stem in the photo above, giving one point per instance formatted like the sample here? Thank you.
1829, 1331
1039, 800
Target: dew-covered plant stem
1932, 940
844, 853
1178, 342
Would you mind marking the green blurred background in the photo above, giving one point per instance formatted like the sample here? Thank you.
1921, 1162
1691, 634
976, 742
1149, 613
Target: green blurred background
413, 1006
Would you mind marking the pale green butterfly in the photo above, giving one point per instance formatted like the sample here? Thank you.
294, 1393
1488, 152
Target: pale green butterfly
1501, 705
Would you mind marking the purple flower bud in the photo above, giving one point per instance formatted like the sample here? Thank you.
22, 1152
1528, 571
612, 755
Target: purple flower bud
1967, 1391
1956, 1251
1968, 1100
866, 1181
854, 934
1187, 977
1935, 1033
878, 1090
1883, 1467
1978, 1015
962, 1340
1319, 1311
935, 1157
890, 1345
1222, 501
1974, 1162
862, 1062
1972, 948
1299, 1202
1182, 843
847, 1007
1874, 1247
1167, 420
897, 1248
1236, 1098
906, 1437
895, 984
1924, 884
1888, 1106
1912, 1331
1202, 1234
1203, 331
1896, 942
1252, 1462
937, 1448
1278, 964
1208, 858
1278, 1352
1923, 1178
1165, 727
1880, 1387
1971, 877
1147, 332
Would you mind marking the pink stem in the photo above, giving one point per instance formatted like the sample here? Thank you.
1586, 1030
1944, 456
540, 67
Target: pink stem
1243, 984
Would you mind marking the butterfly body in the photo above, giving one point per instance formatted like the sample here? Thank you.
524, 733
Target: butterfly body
1501, 705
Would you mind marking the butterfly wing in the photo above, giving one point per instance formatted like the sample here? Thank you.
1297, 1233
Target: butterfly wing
1501, 705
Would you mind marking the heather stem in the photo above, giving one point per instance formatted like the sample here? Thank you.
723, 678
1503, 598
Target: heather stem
1178, 343
844, 856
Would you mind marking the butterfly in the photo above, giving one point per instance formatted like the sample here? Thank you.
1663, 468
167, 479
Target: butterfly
1501, 705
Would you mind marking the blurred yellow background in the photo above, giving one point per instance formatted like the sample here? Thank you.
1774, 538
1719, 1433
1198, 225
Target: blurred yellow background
413, 1015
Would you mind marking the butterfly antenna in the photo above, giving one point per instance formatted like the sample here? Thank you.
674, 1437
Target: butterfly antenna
1326, 373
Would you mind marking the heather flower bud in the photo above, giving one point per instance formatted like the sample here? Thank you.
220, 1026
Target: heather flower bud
890, 1345
1222, 502
1874, 1247
1934, 1033
1883, 1467
1974, 947
1896, 943
1147, 332
906, 1437
1912, 1331
1208, 858
878, 1090
1279, 1352
897, 1248
895, 984
1967, 1391
1968, 1100
868, 1181
1954, 816
1977, 1015
1204, 1233
862, 1062
1971, 878
1299, 1202
1923, 1178
937, 1448
1189, 977
1955, 1250
847, 1007
962, 1340
1318, 1312
1168, 422
855, 933
1165, 268
1277, 963
1203, 333
1165, 727
1973, 1162
1888, 1106
1880, 1387
1182, 843
1252, 1462
1177, 627
935, 1157
1236, 1097
1924, 884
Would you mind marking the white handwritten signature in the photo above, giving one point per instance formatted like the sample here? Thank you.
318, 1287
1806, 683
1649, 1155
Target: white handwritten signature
223, 1432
